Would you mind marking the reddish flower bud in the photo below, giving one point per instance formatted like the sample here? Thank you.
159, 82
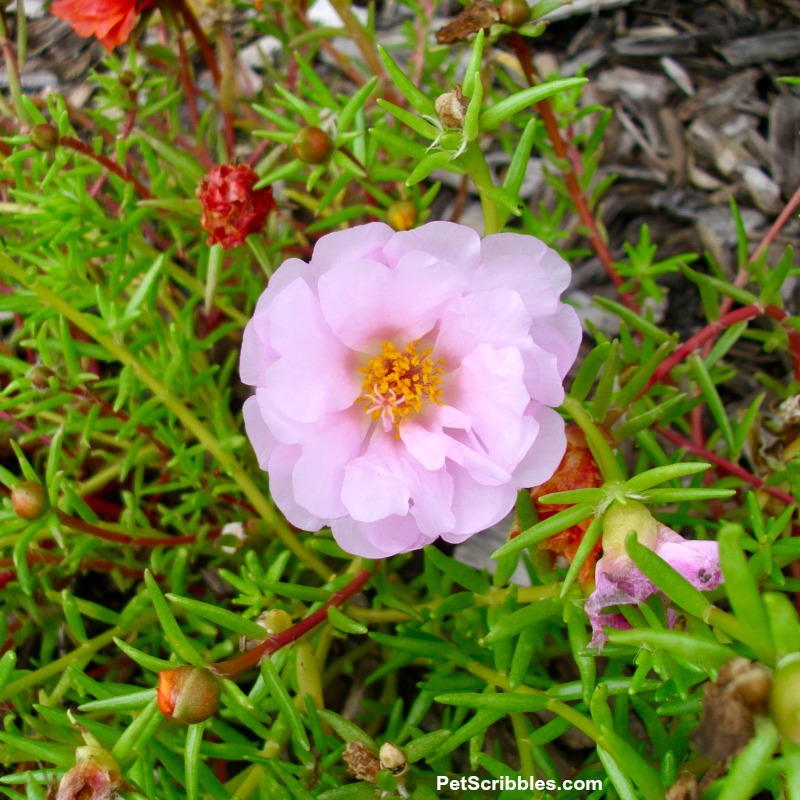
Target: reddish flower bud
188, 694
44, 137
515, 12
311, 145
402, 215
232, 209
29, 500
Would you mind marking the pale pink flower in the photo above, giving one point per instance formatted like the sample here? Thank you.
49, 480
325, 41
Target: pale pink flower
405, 382
619, 582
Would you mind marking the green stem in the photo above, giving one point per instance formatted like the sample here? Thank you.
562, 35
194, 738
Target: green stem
189, 420
12, 74
478, 170
60, 665
602, 452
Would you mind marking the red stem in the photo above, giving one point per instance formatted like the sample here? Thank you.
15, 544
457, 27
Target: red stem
111, 166
123, 538
711, 330
199, 36
573, 185
245, 661
726, 466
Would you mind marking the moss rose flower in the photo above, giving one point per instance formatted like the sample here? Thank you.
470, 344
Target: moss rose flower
619, 582
110, 21
232, 209
405, 382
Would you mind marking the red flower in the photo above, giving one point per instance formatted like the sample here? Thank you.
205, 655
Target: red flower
110, 21
232, 209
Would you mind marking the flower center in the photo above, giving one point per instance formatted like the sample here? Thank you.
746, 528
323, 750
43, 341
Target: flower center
398, 382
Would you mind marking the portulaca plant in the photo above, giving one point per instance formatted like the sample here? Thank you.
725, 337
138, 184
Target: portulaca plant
320, 482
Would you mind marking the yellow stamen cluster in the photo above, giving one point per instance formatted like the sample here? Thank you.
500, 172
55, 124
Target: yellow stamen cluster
397, 383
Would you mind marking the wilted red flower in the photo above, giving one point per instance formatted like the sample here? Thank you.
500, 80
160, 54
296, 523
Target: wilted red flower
110, 21
232, 209
95, 776
577, 470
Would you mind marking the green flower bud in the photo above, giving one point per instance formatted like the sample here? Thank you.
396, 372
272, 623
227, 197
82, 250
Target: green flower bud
515, 12
402, 215
44, 137
188, 694
311, 145
40, 376
29, 500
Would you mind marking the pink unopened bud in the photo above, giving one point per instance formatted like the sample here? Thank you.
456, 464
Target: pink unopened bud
29, 500
188, 694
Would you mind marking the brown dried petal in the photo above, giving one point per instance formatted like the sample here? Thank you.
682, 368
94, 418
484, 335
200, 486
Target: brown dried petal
727, 725
452, 108
477, 16
361, 761
685, 788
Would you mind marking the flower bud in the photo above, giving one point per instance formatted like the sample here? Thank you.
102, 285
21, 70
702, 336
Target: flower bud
40, 376
127, 78
311, 145
402, 215
276, 620
514, 12
620, 520
188, 694
784, 698
393, 759
44, 137
29, 500
452, 108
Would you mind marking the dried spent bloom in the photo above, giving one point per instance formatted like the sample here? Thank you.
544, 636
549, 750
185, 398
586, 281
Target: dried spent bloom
188, 694
232, 209
618, 581
109, 21
361, 761
577, 470
95, 776
729, 705
405, 382
452, 108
